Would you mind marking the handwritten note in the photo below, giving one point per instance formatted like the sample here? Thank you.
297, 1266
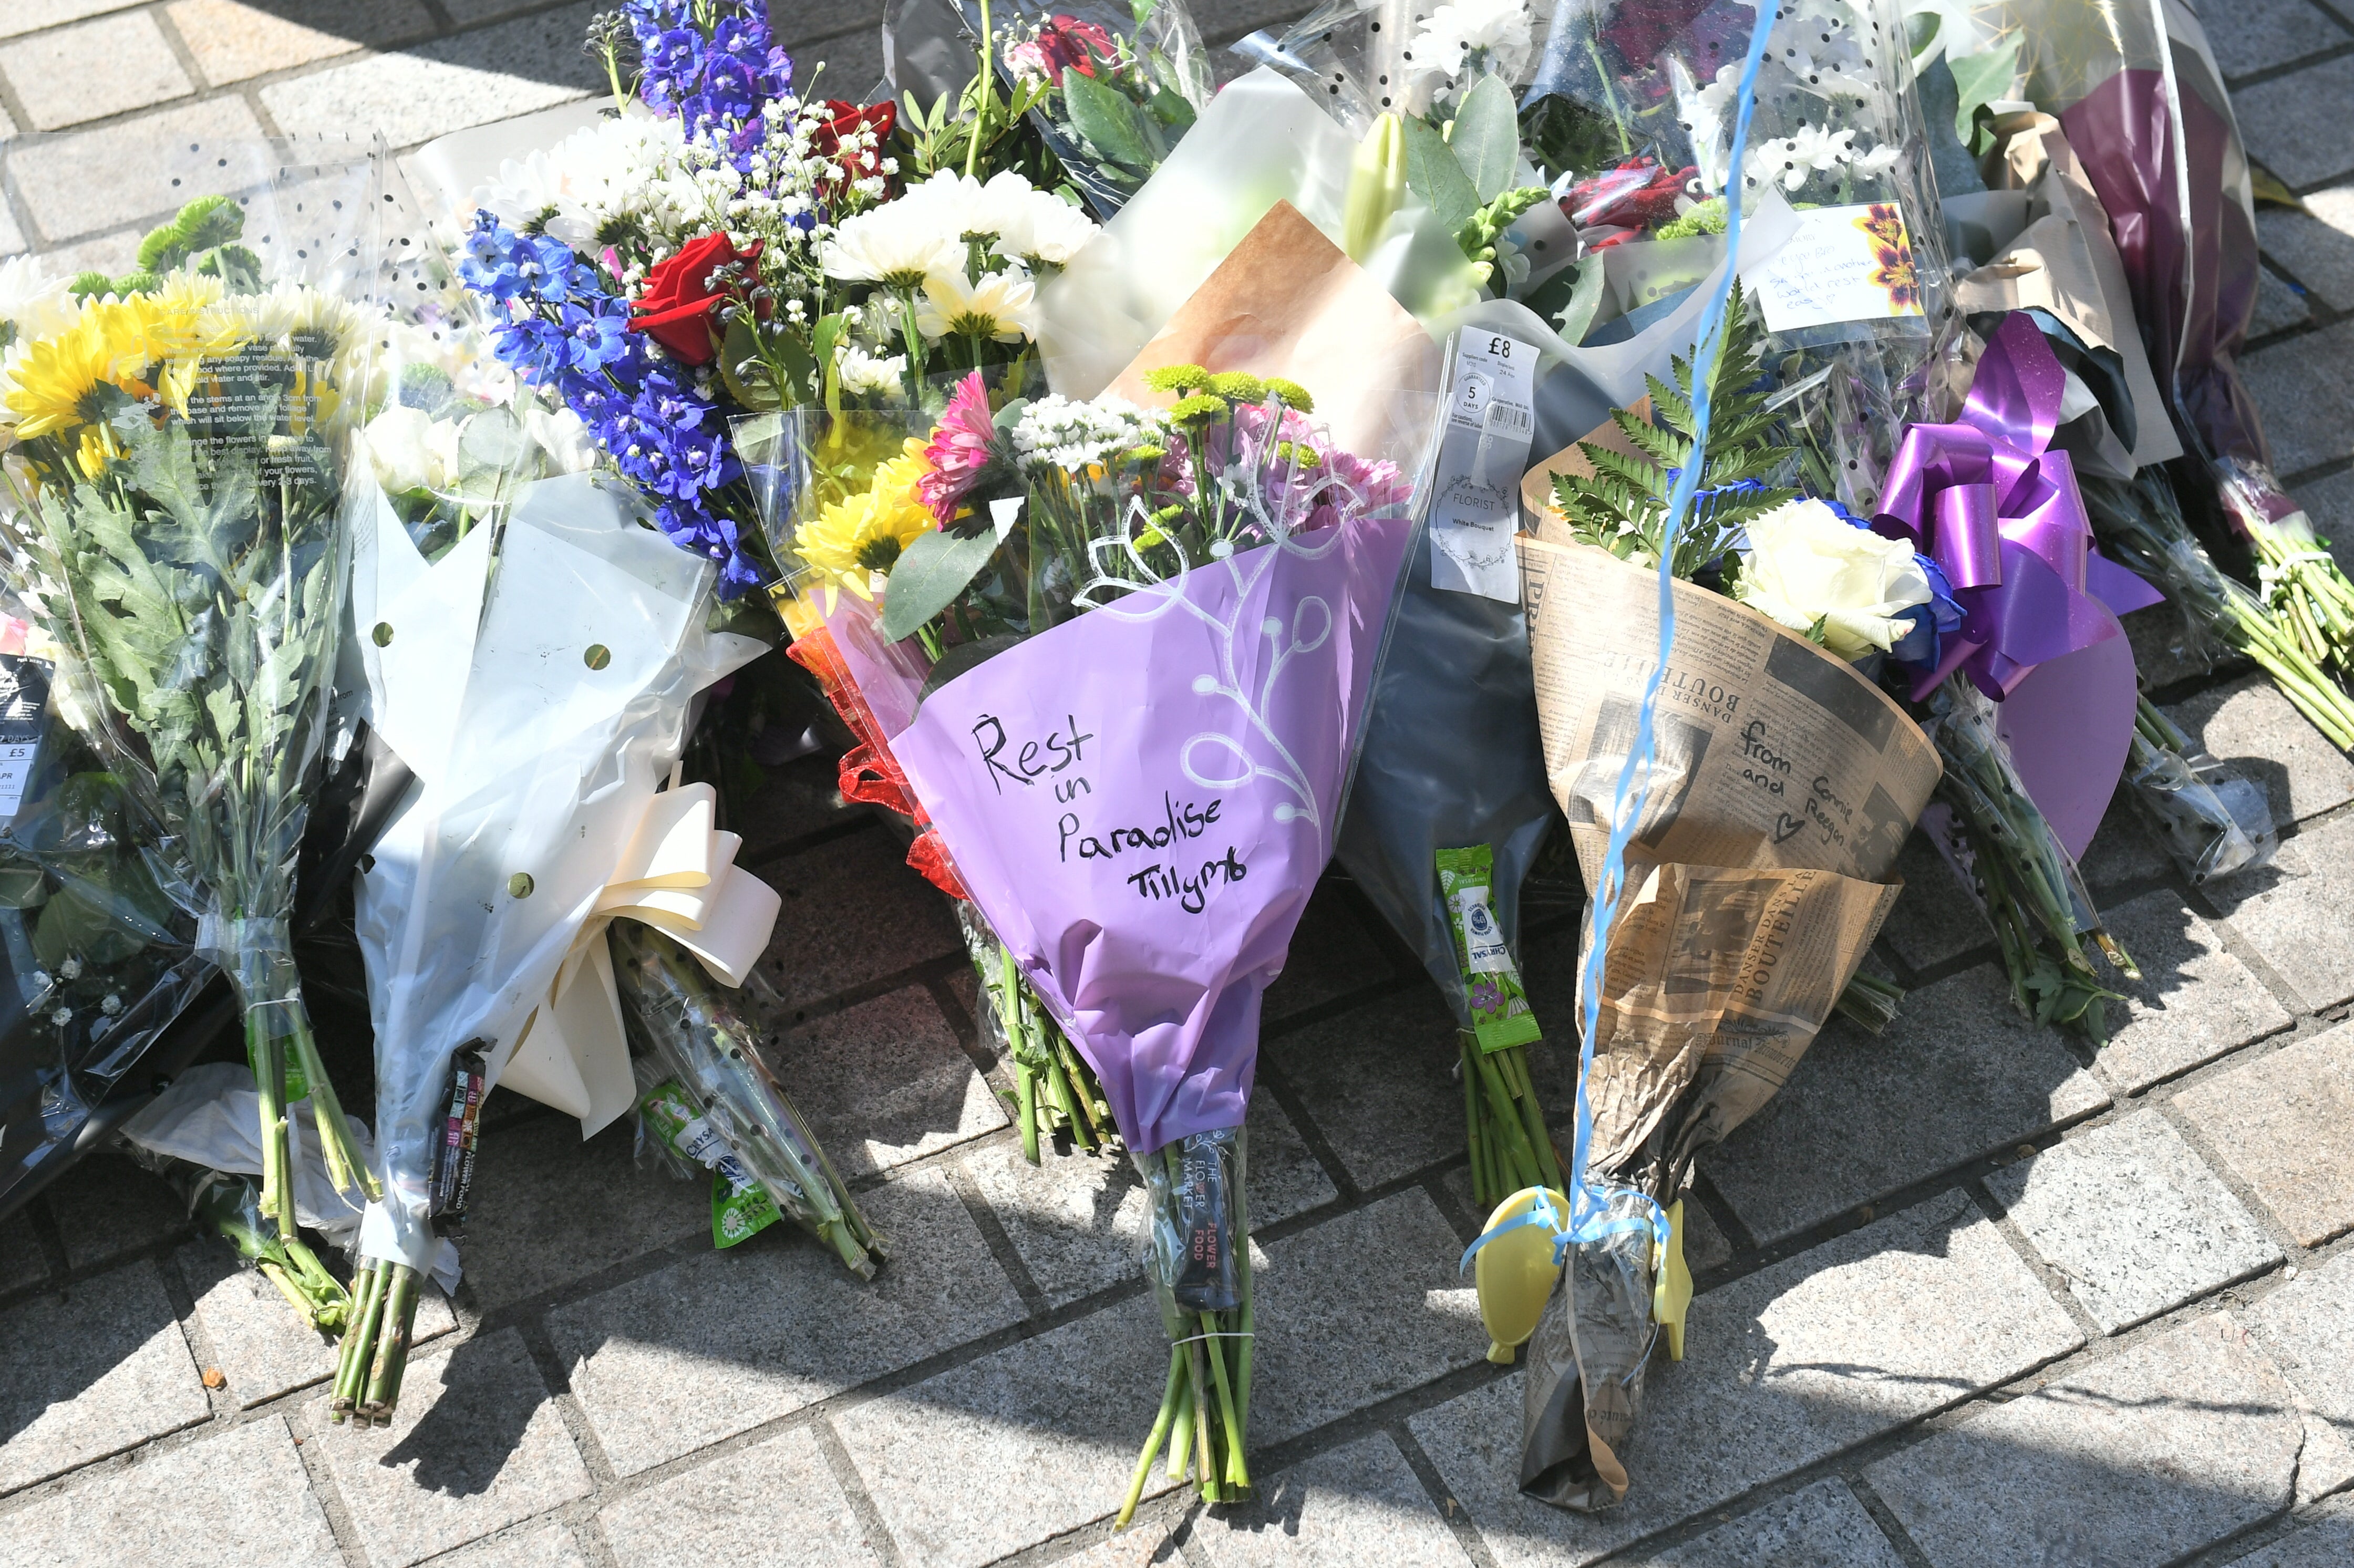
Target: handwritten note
1844, 264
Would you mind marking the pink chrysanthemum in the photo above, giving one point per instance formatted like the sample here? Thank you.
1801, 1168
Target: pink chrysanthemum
963, 445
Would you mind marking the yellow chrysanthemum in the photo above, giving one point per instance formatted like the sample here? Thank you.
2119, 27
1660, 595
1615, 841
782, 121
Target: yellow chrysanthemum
109, 344
852, 541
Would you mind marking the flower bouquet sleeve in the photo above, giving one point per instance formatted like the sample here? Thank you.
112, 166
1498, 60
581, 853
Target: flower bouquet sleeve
179, 481
1112, 87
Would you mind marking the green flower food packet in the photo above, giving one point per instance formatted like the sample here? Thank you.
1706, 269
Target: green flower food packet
1501, 1015
741, 1207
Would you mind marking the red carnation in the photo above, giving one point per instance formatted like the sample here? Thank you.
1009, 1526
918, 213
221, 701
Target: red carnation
675, 306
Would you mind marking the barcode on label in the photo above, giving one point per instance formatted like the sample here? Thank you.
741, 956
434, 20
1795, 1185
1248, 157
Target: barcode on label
1508, 415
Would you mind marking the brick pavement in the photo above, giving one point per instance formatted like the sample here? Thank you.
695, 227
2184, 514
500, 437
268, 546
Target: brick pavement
1967, 1294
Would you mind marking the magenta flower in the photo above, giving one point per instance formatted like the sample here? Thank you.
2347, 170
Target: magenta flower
963, 445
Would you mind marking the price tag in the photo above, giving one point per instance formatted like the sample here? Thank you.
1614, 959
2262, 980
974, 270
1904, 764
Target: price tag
24, 700
1475, 510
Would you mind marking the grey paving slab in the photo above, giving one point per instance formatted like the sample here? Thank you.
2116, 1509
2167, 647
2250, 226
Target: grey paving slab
1936, 919
2293, 912
91, 1371
722, 1341
773, 1505
1077, 1220
2194, 1003
549, 1545
2325, 1540
1375, 1081
1821, 1527
885, 1082
2329, 506
1054, 1422
22, 1262
2305, 384
2252, 726
2251, 36
2279, 305
1332, 955
1355, 1504
2306, 1327
51, 74
447, 84
527, 1228
1958, 1073
2131, 1217
1148, 1541
476, 1445
1351, 1312
1781, 1368
32, 16
795, 25
93, 180
854, 913
234, 1498
2316, 246
107, 1206
1705, 1247
2289, 123
231, 41
2123, 851
2285, 1125
258, 1343
2143, 1457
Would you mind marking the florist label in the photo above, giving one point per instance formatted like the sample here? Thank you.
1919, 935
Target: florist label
1475, 507
24, 698
1844, 264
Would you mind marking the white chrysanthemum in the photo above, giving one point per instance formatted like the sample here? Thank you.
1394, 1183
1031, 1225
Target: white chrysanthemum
1878, 160
631, 165
953, 204
35, 304
1793, 158
1000, 306
1487, 37
1043, 228
871, 375
1071, 435
898, 246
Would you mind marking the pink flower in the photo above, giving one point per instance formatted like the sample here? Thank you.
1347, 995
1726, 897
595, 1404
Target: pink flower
963, 445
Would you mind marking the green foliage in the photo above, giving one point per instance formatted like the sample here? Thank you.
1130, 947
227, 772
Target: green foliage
1433, 173
1623, 507
1485, 137
1477, 237
1563, 135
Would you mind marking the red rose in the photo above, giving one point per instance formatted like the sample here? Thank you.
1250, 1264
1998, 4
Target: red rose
675, 306
844, 120
1068, 44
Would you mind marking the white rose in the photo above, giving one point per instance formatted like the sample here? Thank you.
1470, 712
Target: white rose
397, 449
564, 436
1805, 564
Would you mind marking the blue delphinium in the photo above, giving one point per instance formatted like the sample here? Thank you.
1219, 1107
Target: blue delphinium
567, 332
721, 80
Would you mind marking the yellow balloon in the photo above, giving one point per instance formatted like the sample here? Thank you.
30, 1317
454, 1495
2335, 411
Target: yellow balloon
1515, 1272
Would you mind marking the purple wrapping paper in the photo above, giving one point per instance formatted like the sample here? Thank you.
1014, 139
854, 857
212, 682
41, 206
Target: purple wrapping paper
1141, 798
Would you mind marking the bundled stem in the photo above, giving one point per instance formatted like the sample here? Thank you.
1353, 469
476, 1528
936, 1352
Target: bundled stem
1504, 1124
1055, 1093
374, 1356
231, 1206
2308, 596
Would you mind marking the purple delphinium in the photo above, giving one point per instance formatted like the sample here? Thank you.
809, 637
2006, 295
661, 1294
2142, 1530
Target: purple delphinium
721, 79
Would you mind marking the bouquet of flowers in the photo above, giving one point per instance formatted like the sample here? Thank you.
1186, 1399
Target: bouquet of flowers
1111, 88
176, 525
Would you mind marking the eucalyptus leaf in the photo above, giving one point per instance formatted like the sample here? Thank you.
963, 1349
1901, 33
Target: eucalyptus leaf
1978, 80
1433, 174
1111, 124
1578, 316
930, 574
1487, 137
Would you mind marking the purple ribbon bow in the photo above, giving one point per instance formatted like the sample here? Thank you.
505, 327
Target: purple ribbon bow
1989, 501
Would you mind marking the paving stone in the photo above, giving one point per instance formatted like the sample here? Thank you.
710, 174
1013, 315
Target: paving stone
854, 913
1223, 20
2143, 1457
109, 253
1781, 1368
232, 40
1053, 1422
804, 796
12, 237
235, 1499
31, 15
22, 1262
1148, 1541
2328, 1542
1936, 919
108, 1205
94, 181
2285, 1124
2329, 506
1375, 1081
2123, 851
1821, 1527
2250, 36
853, 59
2252, 726
51, 71
1357, 1504
1078, 1220
2293, 912
1958, 1073
2305, 386
549, 1208
2194, 1003
432, 88
2316, 246
885, 1082
92, 1371
775, 1505
722, 1341
258, 1342
1351, 1312
1705, 1247
2133, 1219
475, 1445
2279, 305
1332, 955
533, 1546
2290, 124
2307, 1328
797, 24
